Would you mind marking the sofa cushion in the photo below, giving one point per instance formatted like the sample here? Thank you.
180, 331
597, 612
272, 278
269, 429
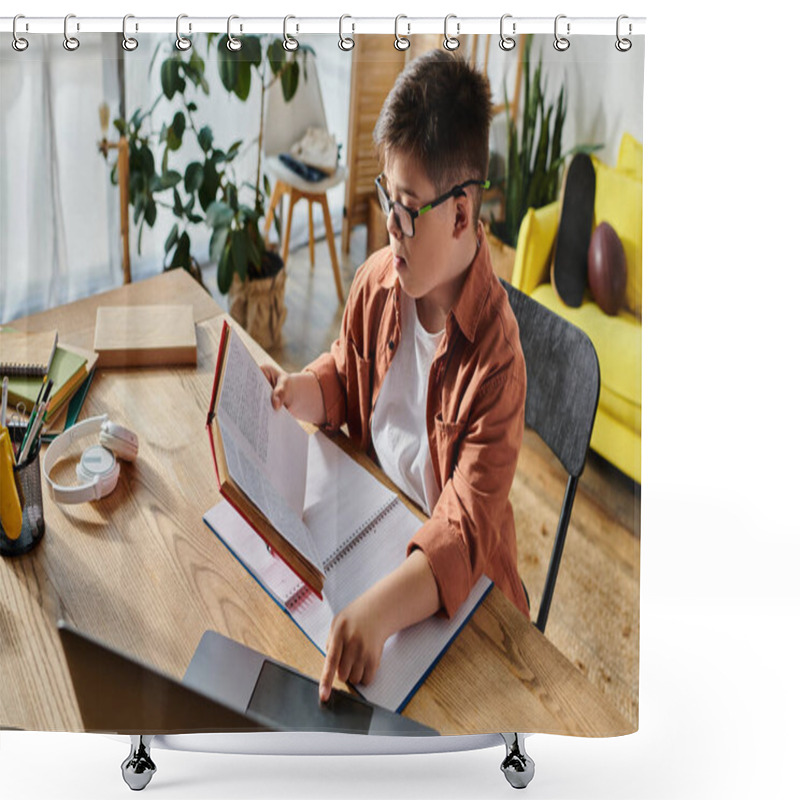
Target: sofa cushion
535, 241
618, 342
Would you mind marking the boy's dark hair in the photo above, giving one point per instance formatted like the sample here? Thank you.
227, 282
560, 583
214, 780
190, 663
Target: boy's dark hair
439, 112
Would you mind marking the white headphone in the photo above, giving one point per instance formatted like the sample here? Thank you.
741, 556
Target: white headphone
98, 468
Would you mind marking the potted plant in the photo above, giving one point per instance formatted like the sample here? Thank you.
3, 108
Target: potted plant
534, 162
211, 193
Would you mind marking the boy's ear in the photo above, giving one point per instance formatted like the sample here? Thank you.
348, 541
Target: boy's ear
463, 214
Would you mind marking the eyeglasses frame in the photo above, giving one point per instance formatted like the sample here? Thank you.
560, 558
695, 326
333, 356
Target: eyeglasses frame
456, 191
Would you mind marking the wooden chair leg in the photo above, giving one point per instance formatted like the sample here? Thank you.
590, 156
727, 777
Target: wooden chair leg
332, 247
345, 233
277, 194
311, 231
288, 229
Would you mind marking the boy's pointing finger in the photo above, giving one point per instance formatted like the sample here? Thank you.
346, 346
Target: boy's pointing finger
329, 669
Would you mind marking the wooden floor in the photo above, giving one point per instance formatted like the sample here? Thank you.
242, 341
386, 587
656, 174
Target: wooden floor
594, 618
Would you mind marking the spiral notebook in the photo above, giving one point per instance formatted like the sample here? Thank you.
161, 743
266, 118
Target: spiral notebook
377, 547
26, 354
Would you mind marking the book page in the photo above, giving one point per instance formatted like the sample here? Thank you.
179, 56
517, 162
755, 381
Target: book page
266, 450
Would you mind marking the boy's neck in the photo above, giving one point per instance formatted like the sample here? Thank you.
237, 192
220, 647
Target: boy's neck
433, 308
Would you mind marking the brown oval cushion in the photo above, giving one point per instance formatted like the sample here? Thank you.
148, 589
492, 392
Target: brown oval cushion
607, 269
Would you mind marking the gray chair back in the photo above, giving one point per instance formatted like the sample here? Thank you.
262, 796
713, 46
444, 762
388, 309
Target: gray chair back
562, 390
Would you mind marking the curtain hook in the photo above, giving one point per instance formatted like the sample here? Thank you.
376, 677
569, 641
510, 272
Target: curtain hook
401, 42
346, 42
451, 42
128, 42
181, 42
623, 45
18, 43
290, 44
70, 42
561, 43
233, 44
507, 42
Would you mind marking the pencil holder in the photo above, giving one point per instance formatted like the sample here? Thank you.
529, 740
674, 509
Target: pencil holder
28, 480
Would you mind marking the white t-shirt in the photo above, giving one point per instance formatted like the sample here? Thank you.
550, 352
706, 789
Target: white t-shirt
398, 426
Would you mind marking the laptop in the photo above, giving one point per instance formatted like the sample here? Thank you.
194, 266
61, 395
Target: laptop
227, 688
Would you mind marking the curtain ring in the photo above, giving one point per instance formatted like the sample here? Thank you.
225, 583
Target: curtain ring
451, 42
346, 42
18, 43
128, 42
506, 42
561, 43
290, 44
233, 44
623, 45
401, 42
181, 42
70, 42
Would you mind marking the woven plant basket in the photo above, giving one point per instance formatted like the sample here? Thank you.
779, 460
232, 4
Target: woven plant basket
258, 306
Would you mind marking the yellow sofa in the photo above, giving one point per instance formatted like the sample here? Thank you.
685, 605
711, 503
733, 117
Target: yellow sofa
618, 339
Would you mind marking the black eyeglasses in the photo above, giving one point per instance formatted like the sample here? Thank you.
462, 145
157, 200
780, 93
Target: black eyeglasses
405, 216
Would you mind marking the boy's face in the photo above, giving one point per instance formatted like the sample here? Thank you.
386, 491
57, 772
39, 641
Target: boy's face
430, 263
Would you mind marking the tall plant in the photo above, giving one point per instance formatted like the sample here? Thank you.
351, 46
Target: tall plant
534, 160
207, 190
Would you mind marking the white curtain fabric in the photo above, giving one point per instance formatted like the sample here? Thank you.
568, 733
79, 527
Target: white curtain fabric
56, 243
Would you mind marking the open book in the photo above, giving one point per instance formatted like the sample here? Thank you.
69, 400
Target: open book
328, 519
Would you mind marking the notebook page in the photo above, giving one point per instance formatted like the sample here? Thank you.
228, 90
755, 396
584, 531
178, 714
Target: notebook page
341, 495
266, 450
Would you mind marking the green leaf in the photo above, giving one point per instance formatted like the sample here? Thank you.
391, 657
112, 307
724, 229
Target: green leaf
121, 126
217, 244
205, 138
276, 55
290, 78
170, 178
251, 50
225, 269
170, 77
208, 189
240, 253
227, 65
171, 239
193, 178
179, 124
217, 157
192, 106
150, 212
182, 257
177, 206
219, 215
233, 150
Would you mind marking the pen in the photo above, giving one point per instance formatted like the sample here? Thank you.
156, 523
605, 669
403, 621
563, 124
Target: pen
5, 402
34, 425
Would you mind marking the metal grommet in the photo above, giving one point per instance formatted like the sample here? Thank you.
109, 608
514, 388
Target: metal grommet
623, 45
346, 42
128, 42
451, 42
290, 44
233, 44
506, 42
18, 43
561, 43
181, 42
70, 42
401, 42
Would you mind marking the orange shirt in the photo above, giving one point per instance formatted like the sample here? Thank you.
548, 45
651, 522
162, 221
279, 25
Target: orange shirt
475, 417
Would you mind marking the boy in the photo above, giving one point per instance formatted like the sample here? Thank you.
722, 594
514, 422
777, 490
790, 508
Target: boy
428, 370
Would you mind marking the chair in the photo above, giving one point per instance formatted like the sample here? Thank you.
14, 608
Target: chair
563, 378
285, 124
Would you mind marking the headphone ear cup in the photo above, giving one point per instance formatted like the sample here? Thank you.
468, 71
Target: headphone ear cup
120, 441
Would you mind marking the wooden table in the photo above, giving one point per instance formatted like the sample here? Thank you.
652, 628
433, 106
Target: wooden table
141, 571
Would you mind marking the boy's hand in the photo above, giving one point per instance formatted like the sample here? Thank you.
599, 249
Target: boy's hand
281, 382
355, 645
